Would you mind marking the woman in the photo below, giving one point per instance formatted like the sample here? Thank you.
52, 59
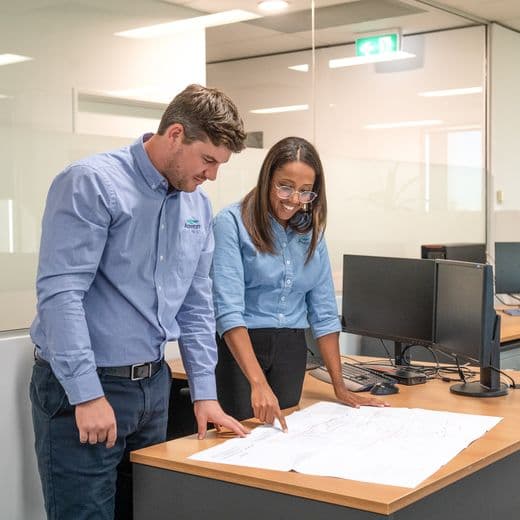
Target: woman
271, 280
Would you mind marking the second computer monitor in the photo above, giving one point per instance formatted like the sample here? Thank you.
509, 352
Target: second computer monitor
389, 298
466, 324
507, 267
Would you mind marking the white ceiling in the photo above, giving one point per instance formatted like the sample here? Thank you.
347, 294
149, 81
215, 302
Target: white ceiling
250, 39
336, 21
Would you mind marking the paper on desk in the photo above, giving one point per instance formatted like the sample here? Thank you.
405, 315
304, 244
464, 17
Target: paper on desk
393, 446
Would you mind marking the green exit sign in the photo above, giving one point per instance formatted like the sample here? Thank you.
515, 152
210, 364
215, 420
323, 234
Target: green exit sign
380, 44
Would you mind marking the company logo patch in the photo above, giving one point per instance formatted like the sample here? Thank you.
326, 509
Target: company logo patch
192, 224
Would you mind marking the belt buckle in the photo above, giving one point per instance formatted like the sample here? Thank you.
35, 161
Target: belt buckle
133, 372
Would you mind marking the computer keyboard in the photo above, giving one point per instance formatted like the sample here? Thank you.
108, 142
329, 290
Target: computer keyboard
357, 378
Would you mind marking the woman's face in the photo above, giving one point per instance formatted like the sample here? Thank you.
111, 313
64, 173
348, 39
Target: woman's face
296, 175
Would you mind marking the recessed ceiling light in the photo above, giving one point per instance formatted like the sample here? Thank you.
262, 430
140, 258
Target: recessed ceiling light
210, 20
452, 92
376, 58
7, 59
273, 6
274, 110
404, 124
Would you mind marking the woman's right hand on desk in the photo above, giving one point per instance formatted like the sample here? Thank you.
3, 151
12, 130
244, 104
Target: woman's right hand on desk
265, 405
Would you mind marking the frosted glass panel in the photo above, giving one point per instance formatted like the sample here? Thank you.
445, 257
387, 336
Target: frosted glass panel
403, 163
44, 124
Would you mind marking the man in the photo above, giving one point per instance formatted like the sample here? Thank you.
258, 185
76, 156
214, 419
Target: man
124, 264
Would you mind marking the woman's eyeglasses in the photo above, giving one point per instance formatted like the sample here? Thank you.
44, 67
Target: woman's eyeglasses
286, 192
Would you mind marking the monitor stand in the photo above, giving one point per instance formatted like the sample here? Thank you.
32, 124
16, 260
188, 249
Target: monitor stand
398, 354
489, 384
477, 389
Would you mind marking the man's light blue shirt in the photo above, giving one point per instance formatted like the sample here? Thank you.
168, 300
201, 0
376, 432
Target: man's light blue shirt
124, 268
262, 290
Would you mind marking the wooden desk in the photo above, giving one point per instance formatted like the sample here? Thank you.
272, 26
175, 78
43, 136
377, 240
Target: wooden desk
480, 483
509, 327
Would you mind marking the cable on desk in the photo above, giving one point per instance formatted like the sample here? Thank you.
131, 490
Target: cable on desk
387, 352
514, 385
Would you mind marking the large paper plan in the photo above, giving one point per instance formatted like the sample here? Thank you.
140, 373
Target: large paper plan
392, 446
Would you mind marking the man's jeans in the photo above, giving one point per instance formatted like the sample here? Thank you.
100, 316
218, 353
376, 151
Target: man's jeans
79, 480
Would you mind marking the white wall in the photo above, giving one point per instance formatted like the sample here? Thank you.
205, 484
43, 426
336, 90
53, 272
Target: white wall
20, 491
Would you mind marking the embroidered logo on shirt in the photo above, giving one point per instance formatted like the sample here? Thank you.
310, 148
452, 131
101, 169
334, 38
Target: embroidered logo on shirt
192, 223
304, 240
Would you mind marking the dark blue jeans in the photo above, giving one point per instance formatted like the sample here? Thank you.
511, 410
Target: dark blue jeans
83, 481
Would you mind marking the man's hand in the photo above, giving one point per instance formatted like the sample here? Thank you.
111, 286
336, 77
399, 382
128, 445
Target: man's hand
210, 411
96, 422
265, 405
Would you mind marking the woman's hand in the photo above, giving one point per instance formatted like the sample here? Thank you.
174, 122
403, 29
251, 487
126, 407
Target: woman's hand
345, 396
265, 405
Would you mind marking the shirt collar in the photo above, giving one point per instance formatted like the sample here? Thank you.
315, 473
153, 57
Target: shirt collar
150, 173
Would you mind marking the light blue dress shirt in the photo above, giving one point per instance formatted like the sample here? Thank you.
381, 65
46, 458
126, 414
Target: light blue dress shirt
260, 290
124, 268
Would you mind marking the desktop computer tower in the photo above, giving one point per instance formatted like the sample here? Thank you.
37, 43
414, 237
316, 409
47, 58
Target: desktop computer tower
463, 252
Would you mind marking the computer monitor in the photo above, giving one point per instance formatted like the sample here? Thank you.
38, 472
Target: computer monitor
389, 298
457, 251
466, 324
507, 267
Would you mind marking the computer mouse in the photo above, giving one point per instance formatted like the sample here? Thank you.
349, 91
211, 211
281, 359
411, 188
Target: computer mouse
384, 388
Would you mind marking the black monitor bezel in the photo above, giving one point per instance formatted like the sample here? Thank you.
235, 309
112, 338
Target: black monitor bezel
398, 339
489, 384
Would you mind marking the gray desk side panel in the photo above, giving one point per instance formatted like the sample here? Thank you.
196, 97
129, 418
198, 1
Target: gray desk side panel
488, 494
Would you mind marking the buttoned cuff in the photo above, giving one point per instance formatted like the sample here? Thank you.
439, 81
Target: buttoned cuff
203, 388
83, 388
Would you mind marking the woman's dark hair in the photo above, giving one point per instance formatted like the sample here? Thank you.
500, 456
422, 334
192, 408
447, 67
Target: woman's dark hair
256, 206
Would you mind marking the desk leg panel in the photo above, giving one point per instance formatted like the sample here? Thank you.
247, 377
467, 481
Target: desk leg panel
161, 494
488, 494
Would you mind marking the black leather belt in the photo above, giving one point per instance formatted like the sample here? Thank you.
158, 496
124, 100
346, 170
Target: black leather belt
133, 372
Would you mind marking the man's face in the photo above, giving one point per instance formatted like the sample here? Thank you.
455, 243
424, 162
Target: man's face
190, 164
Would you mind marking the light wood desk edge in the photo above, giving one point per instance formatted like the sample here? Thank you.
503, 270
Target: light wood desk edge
500, 442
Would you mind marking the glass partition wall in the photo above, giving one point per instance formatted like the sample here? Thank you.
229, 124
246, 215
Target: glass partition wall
402, 141
401, 144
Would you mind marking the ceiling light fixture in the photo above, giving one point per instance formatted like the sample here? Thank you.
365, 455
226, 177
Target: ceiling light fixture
404, 124
375, 58
8, 59
452, 92
274, 110
273, 6
304, 67
210, 20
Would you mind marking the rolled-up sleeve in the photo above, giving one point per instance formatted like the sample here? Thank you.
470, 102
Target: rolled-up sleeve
321, 300
228, 274
196, 320
74, 233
